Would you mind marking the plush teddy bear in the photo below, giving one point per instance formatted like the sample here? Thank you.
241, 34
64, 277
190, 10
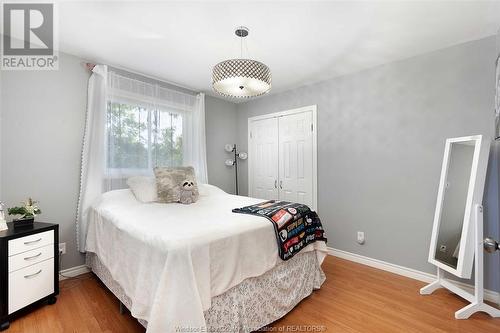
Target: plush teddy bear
188, 193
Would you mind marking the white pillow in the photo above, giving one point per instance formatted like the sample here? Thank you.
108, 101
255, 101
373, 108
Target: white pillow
144, 188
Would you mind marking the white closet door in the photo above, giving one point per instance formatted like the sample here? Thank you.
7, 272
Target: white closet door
263, 157
296, 158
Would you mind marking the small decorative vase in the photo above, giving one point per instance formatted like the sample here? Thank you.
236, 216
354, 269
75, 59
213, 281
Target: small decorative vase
24, 222
3, 225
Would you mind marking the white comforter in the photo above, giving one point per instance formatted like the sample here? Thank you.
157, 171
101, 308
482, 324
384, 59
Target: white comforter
171, 259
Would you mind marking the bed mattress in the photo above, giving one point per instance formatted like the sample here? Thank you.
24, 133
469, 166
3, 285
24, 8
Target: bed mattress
171, 260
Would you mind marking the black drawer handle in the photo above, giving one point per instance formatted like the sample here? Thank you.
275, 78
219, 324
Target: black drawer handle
32, 275
33, 257
32, 242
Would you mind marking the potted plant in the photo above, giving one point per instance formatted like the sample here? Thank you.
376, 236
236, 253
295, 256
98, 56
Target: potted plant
28, 211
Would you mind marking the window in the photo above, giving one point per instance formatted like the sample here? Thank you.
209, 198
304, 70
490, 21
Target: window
141, 137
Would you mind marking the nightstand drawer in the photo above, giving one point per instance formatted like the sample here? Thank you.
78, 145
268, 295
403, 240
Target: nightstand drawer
30, 284
23, 244
29, 258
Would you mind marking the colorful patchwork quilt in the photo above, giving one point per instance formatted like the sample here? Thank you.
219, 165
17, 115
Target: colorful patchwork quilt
295, 225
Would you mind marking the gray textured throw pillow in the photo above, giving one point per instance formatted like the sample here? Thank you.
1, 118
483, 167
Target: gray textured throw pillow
176, 184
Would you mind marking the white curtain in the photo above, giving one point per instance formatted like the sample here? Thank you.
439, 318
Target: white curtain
93, 152
194, 145
151, 125
133, 126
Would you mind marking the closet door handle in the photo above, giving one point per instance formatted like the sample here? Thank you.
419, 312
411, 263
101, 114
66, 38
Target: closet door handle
281, 184
275, 183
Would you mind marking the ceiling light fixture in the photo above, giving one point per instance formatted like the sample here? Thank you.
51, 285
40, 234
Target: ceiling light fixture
241, 78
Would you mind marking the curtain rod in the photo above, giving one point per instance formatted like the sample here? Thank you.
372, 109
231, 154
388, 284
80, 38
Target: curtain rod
90, 66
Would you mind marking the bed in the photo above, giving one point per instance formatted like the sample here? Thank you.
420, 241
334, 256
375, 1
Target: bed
198, 267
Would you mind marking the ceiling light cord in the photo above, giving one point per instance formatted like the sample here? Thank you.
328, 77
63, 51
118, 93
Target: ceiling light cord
247, 50
241, 46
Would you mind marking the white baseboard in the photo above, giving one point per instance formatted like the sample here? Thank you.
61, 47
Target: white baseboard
489, 295
73, 272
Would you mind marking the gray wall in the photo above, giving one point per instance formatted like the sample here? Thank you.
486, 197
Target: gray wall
220, 123
41, 129
43, 115
381, 135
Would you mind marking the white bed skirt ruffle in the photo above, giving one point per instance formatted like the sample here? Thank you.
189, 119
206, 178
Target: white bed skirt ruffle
252, 304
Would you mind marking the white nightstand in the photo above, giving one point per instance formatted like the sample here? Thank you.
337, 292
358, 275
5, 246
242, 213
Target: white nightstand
29, 266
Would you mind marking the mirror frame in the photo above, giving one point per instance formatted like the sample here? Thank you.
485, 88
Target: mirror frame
474, 197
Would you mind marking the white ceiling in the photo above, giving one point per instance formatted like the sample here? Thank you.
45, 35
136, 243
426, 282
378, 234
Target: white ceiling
302, 42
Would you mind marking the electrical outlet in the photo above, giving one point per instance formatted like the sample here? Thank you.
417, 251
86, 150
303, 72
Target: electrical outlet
361, 237
442, 248
62, 248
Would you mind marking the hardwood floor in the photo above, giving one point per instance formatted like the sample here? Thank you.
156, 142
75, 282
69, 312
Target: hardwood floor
354, 298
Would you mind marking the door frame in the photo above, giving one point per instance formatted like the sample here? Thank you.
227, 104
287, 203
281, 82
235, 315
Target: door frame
313, 109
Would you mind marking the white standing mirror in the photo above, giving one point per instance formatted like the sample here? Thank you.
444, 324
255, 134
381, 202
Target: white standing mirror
461, 186
457, 233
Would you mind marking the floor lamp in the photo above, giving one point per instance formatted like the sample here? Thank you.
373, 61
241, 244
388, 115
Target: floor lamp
231, 148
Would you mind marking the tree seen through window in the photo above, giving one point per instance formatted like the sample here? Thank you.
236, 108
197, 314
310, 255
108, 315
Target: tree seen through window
142, 138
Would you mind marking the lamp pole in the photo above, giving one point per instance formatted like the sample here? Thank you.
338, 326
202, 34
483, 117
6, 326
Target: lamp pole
236, 167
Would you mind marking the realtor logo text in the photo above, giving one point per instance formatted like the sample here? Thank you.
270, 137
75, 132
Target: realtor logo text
29, 37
